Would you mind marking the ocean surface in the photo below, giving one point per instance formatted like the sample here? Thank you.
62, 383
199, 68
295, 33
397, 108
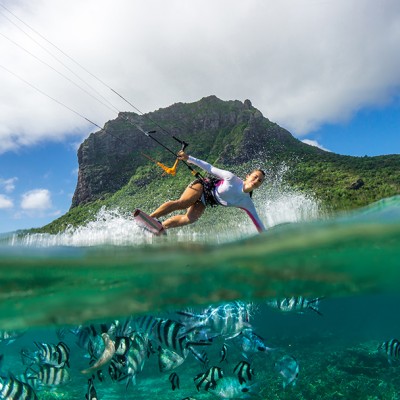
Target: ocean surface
307, 310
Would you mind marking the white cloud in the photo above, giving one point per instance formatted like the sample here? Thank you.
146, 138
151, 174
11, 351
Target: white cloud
38, 199
302, 63
314, 143
5, 202
8, 184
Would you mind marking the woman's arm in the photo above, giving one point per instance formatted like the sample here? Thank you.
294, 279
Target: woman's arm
252, 213
220, 173
250, 209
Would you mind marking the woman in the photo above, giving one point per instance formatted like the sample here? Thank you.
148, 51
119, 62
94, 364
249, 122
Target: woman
229, 190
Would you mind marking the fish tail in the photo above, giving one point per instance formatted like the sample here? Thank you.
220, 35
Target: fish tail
28, 357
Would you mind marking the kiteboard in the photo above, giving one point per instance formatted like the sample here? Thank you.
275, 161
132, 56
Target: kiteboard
148, 223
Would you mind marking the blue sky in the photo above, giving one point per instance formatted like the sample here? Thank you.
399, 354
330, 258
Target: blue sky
371, 132
325, 70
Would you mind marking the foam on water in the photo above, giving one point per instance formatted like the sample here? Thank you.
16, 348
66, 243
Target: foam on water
111, 227
275, 204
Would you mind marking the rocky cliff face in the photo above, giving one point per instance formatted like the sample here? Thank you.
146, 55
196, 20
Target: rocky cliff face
227, 132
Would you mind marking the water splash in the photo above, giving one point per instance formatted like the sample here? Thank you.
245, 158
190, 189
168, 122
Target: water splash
275, 202
283, 204
110, 227
285, 207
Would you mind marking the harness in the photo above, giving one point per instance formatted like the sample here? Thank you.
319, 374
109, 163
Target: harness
209, 184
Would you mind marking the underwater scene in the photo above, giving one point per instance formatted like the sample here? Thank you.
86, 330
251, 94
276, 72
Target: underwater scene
306, 310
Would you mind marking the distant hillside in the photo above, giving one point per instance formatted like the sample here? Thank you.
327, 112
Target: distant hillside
114, 171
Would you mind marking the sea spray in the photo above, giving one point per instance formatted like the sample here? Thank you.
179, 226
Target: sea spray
284, 204
220, 225
290, 206
109, 227
276, 204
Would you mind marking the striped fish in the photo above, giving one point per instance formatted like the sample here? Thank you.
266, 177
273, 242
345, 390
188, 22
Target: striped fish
122, 345
168, 359
226, 320
288, 368
250, 343
116, 369
208, 379
137, 355
13, 389
392, 349
223, 353
230, 388
244, 372
172, 335
47, 375
8, 337
174, 379
48, 354
127, 367
124, 328
144, 324
91, 392
297, 304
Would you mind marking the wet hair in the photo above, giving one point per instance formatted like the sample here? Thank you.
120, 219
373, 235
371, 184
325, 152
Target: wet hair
257, 170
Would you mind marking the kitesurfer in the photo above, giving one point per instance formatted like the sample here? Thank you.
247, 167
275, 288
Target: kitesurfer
226, 190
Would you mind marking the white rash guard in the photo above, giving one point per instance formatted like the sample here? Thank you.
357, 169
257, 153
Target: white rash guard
229, 192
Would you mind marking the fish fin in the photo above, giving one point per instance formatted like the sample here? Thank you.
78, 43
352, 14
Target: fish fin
317, 299
315, 310
132, 380
122, 378
200, 343
233, 336
28, 358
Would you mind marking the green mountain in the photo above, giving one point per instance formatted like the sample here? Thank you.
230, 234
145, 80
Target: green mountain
115, 171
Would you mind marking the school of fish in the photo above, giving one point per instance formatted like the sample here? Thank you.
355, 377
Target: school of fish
218, 342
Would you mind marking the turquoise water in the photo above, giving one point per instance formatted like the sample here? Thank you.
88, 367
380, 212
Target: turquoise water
110, 270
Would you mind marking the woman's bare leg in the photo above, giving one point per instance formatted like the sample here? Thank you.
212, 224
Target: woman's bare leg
188, 198
193, 213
